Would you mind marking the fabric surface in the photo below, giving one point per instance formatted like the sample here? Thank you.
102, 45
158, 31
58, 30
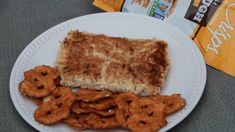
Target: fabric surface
23, 20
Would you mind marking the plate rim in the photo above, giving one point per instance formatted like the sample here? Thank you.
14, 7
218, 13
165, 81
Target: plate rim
182, 35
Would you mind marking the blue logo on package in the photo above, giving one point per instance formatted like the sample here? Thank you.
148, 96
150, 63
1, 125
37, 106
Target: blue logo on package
159, 9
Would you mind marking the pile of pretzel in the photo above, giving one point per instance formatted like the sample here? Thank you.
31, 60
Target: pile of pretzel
95, 109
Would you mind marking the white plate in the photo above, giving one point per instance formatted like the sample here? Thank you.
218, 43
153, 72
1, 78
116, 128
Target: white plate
187, 74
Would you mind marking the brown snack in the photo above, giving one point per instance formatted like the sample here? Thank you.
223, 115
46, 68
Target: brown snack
38, 101
97, 109
81, 108
118, 64
57, 108
100, 122
39, 82
89, 95
51, 112
173, 103
102, 104
91, 120
146, 116
64, 95
123, 101
45, 71
77, 121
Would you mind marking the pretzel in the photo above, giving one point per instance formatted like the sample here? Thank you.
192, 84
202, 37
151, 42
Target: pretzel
81, 108
38, 101
101, 104
57, 108
91, 120
39, 82
146, 116
123, 100
99, 122
173, 103
77, 121
89, 95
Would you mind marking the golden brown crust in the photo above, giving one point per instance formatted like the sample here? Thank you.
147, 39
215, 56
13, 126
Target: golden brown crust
117, 64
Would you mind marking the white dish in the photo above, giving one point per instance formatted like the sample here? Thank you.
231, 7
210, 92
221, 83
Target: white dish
187, 74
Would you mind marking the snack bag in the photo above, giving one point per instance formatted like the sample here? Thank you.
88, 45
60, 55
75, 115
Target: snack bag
210, 23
